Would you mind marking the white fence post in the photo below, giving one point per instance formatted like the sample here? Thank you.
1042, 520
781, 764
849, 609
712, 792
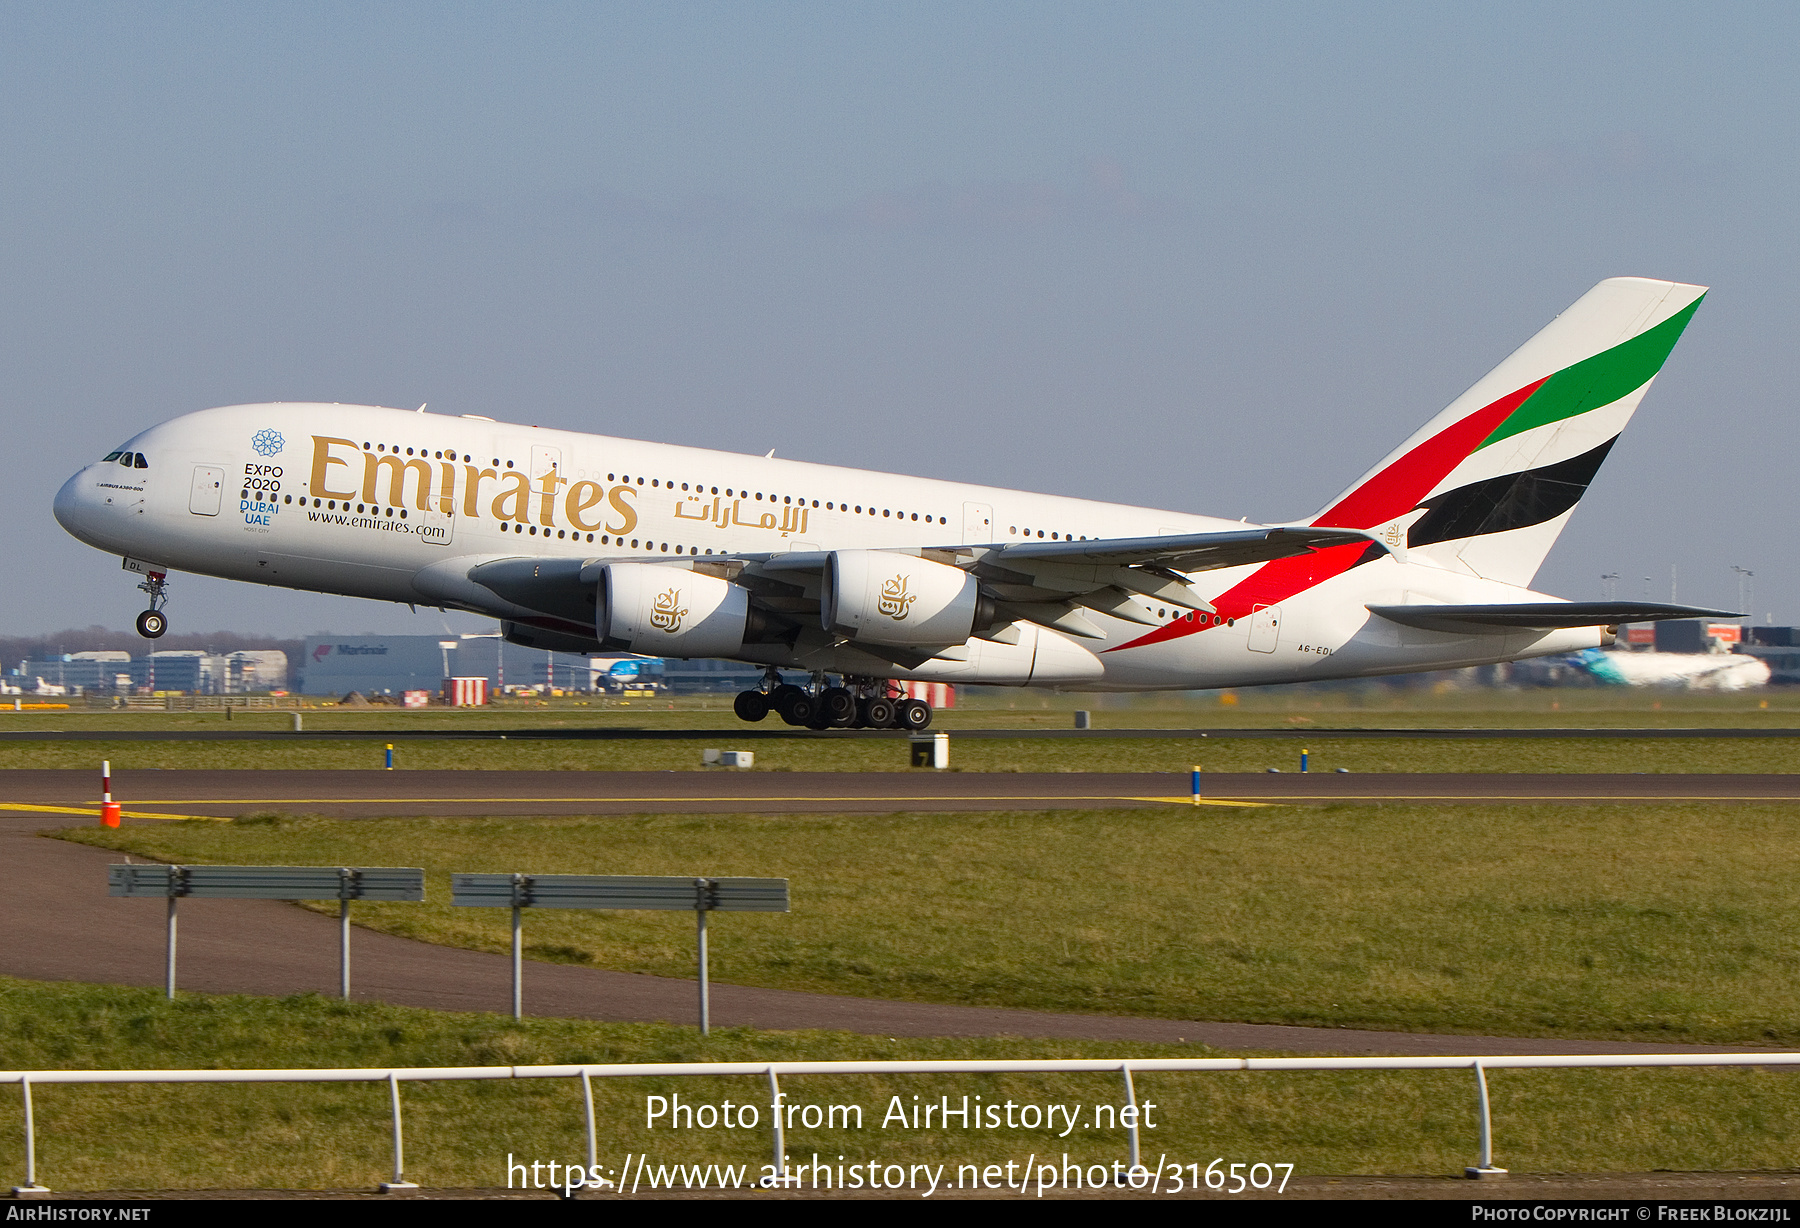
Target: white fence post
1131, 1103
587, 1104
1485, 1168
775, 1112
399, 1182
31, 1188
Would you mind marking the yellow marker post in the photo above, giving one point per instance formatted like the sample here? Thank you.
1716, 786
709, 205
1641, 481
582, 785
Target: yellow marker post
1196, 784
390, 756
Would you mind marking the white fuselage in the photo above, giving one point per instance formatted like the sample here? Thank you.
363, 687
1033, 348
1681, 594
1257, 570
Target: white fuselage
376, 503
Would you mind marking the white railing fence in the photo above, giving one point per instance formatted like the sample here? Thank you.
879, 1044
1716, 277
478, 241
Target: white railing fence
773, 1071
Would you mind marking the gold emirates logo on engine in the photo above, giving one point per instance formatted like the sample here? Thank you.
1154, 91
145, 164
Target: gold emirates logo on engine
895, 600
667, 611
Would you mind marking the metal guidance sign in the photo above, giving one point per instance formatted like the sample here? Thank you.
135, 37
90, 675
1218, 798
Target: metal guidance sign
618, 891
341, 883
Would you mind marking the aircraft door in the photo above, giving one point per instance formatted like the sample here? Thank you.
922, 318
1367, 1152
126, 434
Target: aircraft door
543, 460
1265, 627
978, 524
208, 488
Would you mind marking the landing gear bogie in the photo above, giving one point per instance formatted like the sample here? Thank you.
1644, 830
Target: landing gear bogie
855, 703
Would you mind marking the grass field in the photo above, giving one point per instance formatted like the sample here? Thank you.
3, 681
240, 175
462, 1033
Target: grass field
1365, 707
803, 754
460, 1134
1315, 714
1657, 922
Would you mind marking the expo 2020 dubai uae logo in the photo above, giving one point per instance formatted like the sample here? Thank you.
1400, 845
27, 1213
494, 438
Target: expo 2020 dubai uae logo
267, 443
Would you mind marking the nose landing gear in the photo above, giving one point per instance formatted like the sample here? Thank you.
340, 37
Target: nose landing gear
153, 622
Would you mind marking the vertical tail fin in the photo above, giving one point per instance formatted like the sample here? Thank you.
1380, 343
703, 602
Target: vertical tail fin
1486, 486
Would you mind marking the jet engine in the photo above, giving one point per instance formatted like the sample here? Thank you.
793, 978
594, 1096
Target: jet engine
900, 601
671, 612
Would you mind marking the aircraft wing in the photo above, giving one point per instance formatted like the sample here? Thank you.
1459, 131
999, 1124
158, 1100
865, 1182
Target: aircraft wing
1049, 583
1539, 616
1185, 552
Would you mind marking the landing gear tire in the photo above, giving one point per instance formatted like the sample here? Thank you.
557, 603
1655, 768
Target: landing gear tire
877, 713
750, 705
912, 714
151, 624
796, 707
837, 708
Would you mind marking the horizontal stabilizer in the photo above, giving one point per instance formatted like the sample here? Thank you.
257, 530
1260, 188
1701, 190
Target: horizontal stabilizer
1541, 616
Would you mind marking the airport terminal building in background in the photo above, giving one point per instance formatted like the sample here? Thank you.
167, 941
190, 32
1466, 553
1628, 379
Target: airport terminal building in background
184, 670
335, 665
395, 664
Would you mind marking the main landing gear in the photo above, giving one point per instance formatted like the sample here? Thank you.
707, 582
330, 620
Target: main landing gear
858, 703
153, 622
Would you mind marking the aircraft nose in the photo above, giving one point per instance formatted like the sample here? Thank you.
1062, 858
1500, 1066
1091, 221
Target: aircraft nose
78, 506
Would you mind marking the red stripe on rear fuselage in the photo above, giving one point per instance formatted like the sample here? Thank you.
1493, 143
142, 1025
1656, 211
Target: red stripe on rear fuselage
1393, 492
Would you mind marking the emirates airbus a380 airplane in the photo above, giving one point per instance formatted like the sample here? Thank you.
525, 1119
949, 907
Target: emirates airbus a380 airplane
583, 543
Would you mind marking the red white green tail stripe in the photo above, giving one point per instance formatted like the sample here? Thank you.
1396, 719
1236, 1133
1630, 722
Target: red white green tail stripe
1484, 488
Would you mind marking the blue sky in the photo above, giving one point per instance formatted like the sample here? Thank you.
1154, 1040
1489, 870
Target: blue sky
1215, 258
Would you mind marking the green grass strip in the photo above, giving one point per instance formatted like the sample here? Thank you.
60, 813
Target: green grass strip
335, 1136
1668, 922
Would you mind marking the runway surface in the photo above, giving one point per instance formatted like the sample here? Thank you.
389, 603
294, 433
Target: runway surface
62, 926
777, 732
369, 794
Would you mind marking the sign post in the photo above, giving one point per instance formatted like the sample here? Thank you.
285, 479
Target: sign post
340, 883
700, 911
620, 891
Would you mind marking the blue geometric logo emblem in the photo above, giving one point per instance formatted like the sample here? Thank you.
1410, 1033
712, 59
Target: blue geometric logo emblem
266, 442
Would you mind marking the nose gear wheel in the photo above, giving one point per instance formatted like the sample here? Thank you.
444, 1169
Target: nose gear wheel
153, 622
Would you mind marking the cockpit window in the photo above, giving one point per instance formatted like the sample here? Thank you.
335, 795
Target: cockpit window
125, 459
112, 456
138, 460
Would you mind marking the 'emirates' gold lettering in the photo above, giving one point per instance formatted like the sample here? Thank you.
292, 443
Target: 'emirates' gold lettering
582, 496
513, 503
472, 490
547, 504
397, 471
587, 506
625, 510
323, 460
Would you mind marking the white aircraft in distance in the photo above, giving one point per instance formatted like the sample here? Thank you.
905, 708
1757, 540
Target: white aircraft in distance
586, 543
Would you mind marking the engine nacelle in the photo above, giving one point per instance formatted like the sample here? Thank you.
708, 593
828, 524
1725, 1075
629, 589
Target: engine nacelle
875, 597
671, 612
